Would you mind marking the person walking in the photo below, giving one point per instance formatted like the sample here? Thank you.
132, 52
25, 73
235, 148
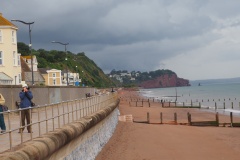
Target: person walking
25, 97
2, 123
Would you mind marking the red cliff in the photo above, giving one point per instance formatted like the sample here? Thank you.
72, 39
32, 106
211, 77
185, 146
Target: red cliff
167, 80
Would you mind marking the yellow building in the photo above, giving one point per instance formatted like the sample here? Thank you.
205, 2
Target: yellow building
52, 76
10, 64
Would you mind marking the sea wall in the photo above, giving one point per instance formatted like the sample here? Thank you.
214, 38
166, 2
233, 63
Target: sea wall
92, 142
82, 139
45, 94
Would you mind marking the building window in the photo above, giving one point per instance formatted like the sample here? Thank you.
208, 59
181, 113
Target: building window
1, 58
0, 36
54, 82
54, 74
13, 37
19, 78
18, 60
14, 58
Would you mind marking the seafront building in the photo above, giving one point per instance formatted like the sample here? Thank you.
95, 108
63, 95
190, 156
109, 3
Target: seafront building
10, 65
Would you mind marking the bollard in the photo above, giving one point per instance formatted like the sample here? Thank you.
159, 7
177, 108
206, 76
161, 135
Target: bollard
148, 104
224, 106
231, 119
148, 117
217, 119
175, 117
189, 118
161, 118
232, 105
215, 106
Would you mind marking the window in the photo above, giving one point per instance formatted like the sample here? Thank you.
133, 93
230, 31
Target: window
18, 60
54, 74
13, 37
54, 82
0, 36
1, 58
19, 78
14, 58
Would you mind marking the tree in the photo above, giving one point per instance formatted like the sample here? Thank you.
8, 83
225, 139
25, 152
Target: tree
113, 71
23, 49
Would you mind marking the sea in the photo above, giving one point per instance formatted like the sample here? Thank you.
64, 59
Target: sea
221, 97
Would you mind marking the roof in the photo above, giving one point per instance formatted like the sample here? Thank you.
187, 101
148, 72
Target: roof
26, 57
43, 70
4, 76
5, 22
24, 66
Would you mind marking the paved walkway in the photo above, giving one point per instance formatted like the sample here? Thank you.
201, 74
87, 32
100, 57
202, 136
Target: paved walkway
39, 117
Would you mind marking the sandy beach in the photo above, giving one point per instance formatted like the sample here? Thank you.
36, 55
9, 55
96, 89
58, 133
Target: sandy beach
169, 141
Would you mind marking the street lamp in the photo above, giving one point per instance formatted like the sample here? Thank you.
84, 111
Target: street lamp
76, 77
65, 44
83, 79
30, 44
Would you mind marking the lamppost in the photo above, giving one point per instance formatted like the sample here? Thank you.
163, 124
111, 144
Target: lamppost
82, 79
30, 44
76, 77
65, 44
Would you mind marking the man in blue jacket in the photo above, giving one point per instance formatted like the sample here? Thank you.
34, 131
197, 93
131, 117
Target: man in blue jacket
25, 97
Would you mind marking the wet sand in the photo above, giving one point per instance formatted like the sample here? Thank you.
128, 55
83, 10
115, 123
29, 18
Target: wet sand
169, 141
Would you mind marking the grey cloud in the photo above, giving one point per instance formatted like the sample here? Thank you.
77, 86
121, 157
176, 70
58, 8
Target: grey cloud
133, 35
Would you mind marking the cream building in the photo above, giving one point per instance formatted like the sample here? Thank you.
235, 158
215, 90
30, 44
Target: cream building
10, 64
52, 76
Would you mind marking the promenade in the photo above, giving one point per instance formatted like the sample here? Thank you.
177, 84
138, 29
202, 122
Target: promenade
15, 138
48, 118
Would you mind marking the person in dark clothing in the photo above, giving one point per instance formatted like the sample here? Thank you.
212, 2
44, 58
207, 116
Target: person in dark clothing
25, 97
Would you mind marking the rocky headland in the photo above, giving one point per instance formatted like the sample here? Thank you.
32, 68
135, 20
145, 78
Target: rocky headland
166, 80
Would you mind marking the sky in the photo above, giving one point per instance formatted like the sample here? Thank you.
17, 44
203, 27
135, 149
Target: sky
197, 39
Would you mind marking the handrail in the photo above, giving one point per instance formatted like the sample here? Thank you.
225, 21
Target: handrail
48, 117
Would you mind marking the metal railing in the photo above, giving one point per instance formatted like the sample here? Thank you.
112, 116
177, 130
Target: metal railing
49, 117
